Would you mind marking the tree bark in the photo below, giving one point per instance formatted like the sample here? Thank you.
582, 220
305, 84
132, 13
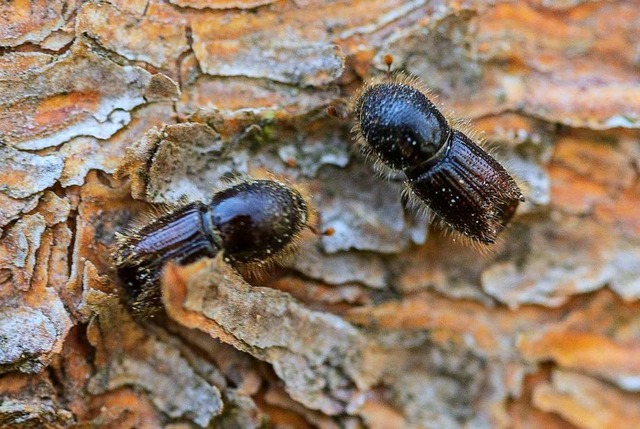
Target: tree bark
390, 321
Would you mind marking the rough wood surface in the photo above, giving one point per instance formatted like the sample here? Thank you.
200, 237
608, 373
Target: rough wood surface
388, 322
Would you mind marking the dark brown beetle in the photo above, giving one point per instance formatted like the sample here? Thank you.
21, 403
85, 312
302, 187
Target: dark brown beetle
254, 223
453, 176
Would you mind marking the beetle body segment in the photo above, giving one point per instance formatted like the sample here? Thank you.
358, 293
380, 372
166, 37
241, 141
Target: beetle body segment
467, 189
180, 235
257, 220
400, 124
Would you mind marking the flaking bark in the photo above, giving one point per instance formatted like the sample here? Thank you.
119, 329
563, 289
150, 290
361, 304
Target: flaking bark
385, 323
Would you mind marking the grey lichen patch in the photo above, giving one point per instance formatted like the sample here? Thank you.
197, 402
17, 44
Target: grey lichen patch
300, 60
25, 335
535, 183
180, 393
59, 39
312, 155
12, 208
302, 63
625, 261
340, 268
31, 337
238, 369
127, 356
365, 212
23, 174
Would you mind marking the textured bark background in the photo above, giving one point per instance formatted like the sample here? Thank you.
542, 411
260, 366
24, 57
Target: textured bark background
385, 324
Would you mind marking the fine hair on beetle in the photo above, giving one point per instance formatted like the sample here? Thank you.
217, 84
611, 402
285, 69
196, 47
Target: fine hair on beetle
398, 126
254, 223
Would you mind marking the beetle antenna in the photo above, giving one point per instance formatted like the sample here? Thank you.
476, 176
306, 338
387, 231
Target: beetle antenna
388, 60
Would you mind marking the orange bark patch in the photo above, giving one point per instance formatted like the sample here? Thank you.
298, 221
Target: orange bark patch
622, 214
221, 4
129, 35
587, 402
62, 108
31, 20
